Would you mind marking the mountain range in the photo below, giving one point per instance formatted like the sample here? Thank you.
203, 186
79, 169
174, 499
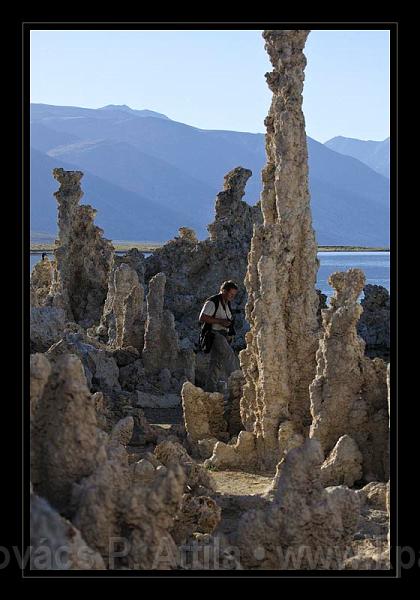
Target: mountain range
374, 154
148, 175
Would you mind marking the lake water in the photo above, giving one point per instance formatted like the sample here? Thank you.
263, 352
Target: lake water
375, 265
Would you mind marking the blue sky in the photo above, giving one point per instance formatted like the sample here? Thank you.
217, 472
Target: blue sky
214, 79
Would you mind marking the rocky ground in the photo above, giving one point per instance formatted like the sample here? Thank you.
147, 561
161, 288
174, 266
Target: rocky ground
237, 491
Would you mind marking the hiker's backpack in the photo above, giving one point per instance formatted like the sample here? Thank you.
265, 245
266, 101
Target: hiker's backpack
206, 338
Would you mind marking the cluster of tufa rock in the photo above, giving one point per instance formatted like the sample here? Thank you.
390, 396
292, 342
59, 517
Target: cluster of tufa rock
83, 257
86, 493
374, 323
349, 392
93, 303
195, 269
305, 526
279, 359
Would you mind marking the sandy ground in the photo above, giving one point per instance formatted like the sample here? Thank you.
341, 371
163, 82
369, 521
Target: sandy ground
239, 483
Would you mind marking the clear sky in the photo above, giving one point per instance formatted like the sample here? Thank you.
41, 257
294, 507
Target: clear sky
214, 79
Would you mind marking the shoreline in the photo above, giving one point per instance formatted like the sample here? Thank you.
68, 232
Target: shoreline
142, 247
150, 247
352, 249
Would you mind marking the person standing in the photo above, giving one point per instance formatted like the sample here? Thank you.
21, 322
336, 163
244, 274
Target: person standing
218, 313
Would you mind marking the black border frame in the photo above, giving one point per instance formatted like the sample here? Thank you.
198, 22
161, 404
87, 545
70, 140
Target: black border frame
23, 32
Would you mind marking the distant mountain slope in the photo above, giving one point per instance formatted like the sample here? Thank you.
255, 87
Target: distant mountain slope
138, 113
374, 154
331, 209
347, 174
47, 111
180, 167
44, 138
127, 166
122, 214
205, 156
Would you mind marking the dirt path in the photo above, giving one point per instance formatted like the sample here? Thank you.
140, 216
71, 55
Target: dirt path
237, 492
239, 483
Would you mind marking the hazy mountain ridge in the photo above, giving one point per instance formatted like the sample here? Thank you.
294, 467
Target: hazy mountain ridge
375, 154
142, 174
122, 214
161, 166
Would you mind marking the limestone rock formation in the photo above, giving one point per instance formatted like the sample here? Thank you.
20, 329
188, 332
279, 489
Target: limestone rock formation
306, 526
123, 316
349, 394
343, 466
162, 348
150, 514
159, 389
134, 259
240, 455
374, 323
122, 432
64, 442
388, 493
41, 280
153, 350
198, 514
235, 386
186, 233
100, 368
47, 326
279, 360
125, 513
374, 434
147, 400
203, 413
370, 547
198, 479
40, 369
96, 500
125, 356
195, 269
56, 544
233, 221
374, 494
116, 507
322, 303
132, 375
204, 447
83, 257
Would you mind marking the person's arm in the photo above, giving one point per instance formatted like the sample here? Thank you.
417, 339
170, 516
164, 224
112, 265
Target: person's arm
208, 319
206, 315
